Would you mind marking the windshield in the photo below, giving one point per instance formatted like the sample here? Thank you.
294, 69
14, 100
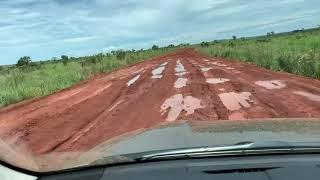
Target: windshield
96, 82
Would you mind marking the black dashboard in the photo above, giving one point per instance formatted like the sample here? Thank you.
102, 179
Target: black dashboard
277, 167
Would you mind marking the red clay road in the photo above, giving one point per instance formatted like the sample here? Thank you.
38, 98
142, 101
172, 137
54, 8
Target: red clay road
180, 85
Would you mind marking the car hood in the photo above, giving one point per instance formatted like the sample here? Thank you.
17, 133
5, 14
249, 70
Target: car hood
176, 135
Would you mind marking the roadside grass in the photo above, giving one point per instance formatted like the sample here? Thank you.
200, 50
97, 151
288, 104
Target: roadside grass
296, 52
18, 84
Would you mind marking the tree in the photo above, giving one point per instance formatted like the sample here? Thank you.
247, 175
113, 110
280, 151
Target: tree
234, 37
205, 44
155, 47
24, 61
171, 46
64, 59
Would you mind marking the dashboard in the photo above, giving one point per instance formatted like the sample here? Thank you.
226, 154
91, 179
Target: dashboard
276, 167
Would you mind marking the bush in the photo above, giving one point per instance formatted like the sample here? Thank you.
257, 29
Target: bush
155, 47
64, 59
171, 46
205, 44
234, 38
24, 61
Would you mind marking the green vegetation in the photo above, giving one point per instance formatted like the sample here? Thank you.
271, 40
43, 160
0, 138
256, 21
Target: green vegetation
295, 52
24, 61
29, 79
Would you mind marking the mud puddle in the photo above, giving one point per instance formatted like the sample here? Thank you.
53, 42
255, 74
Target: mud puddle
217, 80
271, 84
177, 103
235, 101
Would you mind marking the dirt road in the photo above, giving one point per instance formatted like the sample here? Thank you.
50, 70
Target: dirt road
180, 85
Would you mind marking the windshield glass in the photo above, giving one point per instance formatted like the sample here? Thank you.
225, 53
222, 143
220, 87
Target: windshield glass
96, 82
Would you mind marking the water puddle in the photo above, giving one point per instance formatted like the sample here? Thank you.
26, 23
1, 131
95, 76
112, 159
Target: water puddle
95, 93
133, 80
181, 73
157, 73
272, 84
176, 104
70, 94
217, 80
179, 69
116, 104
235, 101
308, 95
205, 69
218, 64
229, 68
164, 64
138, 71
181, 82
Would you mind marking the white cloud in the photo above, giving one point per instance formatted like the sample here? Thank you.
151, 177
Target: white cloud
291, 1
80, 39
48, 28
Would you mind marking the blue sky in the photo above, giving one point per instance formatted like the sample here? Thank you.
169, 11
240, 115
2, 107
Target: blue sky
49, 28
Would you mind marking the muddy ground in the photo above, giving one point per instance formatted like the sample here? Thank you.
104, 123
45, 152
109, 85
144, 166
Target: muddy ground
181, 85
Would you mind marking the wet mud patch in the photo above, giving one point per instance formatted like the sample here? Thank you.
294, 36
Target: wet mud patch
176, 104
157, 73
271, 84
217, 80
310, 96
235, 101
181, 82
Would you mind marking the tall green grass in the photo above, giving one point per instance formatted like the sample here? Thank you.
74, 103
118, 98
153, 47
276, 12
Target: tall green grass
17, 84
297, 53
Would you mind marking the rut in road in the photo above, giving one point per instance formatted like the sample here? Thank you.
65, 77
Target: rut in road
183, 85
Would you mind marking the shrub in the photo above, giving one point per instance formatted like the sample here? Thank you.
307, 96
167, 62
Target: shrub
234, 38
204, 44
24, 61
155, 47
64, 59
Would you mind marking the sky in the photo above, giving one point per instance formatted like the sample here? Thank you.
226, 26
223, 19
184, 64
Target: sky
43, 29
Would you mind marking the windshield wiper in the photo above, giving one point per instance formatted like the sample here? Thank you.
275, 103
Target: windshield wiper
244, 148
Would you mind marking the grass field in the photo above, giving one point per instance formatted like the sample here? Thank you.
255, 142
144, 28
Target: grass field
296, 52
43, 78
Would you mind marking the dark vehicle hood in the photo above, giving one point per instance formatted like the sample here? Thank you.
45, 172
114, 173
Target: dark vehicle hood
179, 134
187, 134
